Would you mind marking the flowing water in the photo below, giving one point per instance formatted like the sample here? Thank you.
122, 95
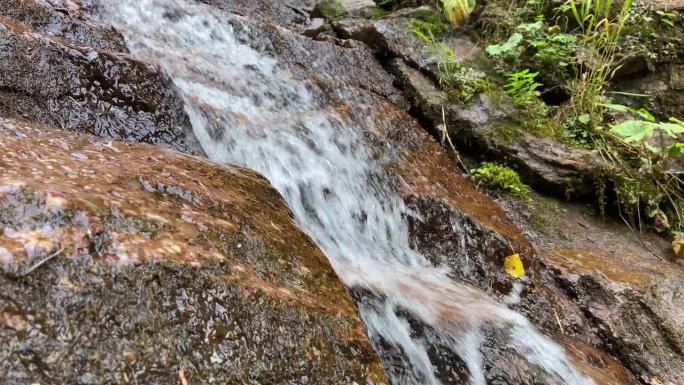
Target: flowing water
247, 109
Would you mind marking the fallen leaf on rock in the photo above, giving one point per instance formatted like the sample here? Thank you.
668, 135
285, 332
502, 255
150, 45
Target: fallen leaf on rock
514, 266
678, 245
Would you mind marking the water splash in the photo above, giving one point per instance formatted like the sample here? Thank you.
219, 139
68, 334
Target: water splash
245, 109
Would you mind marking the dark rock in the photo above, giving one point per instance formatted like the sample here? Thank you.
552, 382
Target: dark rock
619, 280
292, 13
392, 37
665, 88
317, 26
82, 89
125, 262
67, 23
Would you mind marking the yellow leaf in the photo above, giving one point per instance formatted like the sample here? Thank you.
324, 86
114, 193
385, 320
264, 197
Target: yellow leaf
456, 11
678, 245
514, 266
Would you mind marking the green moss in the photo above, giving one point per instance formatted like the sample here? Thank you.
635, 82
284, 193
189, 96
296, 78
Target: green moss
506, 133
378, 13
429, 23
541, 212
332, 9
500, 178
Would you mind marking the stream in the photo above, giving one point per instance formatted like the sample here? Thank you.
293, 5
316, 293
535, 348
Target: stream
248, 109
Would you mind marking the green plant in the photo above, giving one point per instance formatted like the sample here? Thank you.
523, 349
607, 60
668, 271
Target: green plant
522, 87
641, 153
601, 35
538, 47
666, 18
459, 81
637, 132
589, 13
507, 47
500, 178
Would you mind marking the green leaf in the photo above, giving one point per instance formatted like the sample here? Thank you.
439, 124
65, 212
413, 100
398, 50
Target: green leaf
652, 149
509, 45
675, 120
584, 118
617, 107
645, 114
676, 149
633, 130
671, 129
531, 27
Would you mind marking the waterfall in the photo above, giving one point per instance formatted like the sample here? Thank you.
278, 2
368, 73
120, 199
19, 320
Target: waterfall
247, 109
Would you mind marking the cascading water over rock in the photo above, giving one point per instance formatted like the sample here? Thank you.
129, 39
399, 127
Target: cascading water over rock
247, 109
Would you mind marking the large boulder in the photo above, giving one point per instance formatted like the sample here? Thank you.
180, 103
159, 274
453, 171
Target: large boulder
127, 263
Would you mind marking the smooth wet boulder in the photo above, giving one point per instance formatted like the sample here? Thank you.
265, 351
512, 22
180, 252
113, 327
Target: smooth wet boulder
50, 81
127, 263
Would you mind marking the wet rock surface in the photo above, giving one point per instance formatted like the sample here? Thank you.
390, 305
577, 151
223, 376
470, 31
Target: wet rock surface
621, 280
454, 224
128, 263
65, 20
217, 224
608, 326
58, 82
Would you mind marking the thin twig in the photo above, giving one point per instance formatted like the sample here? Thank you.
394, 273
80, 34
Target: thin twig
44, 261
445, 135
558, 321
181, 377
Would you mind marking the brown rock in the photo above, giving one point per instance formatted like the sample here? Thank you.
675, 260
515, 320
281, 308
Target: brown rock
126, 262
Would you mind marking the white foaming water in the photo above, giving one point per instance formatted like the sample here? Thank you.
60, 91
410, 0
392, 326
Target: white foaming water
247, 110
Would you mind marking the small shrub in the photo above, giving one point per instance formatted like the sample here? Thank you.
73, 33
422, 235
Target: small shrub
459, 81
522, 87
500, 178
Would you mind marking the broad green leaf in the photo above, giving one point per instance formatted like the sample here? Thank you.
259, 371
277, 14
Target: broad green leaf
645, 114
531, 27
510, 44
671, 129
633, 130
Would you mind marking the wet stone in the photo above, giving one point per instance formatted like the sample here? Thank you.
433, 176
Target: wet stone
52, 82
142, 262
